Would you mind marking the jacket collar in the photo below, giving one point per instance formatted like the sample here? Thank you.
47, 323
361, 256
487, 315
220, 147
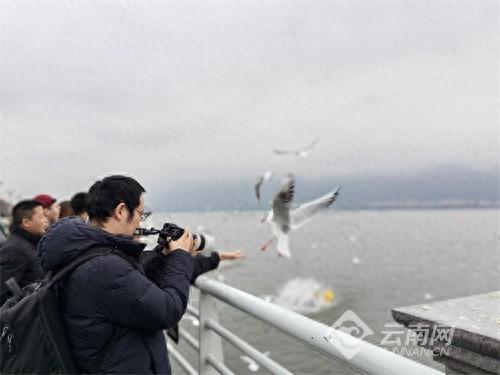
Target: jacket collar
70, 237
127, 244
28, 236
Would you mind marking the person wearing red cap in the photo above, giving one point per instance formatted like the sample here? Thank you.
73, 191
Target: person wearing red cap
51, 208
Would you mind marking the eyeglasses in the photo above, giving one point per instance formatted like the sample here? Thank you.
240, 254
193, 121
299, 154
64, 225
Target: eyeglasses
144, 215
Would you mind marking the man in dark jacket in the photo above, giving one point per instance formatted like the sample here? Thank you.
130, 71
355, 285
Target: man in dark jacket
18, 257
108, 293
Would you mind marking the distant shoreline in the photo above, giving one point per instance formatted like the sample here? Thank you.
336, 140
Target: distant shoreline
423, 206
361, 208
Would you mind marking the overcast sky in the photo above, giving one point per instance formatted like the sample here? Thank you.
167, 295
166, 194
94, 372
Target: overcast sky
170, 91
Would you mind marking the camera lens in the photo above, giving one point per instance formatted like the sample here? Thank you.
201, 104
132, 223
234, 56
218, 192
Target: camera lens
204, 241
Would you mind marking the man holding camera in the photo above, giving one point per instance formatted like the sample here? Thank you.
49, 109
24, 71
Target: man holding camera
112, 294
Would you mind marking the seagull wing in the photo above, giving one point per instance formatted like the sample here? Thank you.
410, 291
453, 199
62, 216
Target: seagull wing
305, 212
281, 203
259, 183
266, 176
285, 152
311, 145
297, 152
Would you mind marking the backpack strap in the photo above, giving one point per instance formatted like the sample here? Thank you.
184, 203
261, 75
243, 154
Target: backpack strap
14, 287
105, 353
104, 356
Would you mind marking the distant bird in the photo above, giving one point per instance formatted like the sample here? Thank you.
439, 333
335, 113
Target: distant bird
428, 296
266, 176
282, 219
302, 153
252, 365
194, 321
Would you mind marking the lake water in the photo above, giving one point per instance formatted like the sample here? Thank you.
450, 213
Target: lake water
372, 260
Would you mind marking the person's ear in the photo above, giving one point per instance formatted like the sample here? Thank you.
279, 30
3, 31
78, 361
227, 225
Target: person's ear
121, 211
25, 223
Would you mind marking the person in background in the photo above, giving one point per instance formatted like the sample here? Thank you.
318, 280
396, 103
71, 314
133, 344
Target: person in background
3, 234
51, 208
66, 209
78, 205
18, 256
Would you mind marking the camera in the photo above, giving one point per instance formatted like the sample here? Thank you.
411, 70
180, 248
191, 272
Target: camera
172, 232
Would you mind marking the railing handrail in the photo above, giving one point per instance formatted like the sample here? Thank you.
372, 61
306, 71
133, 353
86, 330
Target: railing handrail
370, 359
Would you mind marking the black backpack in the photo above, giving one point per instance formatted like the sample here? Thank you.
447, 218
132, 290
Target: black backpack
33, 336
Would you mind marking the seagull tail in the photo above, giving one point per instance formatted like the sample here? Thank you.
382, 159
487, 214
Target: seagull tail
283, 246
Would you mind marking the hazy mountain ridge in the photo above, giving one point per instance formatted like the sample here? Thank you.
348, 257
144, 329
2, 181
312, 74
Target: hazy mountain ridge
444, 186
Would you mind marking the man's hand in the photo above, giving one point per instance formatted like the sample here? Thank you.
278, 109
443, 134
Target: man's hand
185, 243
231, 255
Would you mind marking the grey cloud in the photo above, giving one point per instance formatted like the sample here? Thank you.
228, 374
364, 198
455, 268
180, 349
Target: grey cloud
210, 88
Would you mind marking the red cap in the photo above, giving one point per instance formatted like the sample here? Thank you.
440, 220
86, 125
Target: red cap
45, 199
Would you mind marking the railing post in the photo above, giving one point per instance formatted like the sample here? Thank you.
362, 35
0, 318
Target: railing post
210, 342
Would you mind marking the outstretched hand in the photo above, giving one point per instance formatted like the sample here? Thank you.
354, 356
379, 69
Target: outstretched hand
231, 255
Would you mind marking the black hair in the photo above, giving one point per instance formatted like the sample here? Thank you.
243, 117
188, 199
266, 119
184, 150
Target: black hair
106, 194
66, 209
22, 210
78, 203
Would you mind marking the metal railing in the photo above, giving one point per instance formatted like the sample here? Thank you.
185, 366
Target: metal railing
370, 359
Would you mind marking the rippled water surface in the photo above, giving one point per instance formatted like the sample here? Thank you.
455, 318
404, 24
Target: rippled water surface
372, 260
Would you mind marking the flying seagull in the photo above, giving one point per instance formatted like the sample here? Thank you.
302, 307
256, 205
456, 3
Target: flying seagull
266, 176
300, 153
283, 219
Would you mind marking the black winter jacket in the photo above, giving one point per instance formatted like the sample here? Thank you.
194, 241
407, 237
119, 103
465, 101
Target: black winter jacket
108, 292
18, 258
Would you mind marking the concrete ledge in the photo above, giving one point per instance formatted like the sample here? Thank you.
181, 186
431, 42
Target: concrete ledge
472, 345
